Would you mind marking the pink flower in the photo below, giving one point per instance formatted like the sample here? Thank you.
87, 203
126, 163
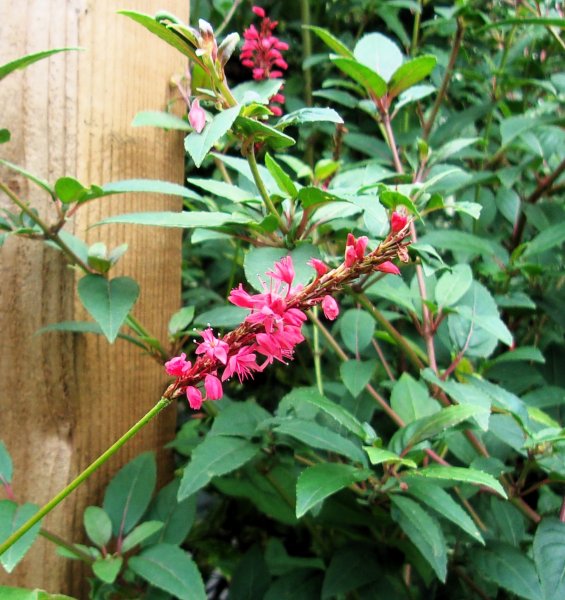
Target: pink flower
178, 366
330, 308
388, 267
398, 221
213, 387
243, 364
284, 271
194, 396
241, 298
321, 267
213, 347
355, 249
261, 52
197, 116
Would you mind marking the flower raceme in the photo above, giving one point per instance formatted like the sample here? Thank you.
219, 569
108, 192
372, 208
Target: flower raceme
273, 327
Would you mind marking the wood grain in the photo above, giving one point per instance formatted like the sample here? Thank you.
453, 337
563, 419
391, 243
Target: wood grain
64, 398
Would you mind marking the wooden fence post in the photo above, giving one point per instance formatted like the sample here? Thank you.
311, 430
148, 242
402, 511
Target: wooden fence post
64, 398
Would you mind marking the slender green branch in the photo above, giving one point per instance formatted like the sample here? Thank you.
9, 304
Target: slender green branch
416, 29
47, 508
250, 155
317, 354
55, 539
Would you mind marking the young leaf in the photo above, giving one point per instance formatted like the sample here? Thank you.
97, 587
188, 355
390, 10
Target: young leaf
309, 115
330, 40
141, 533
410, 73
322, 480
356, 374
12, 517
463, 475
69, 190
261, 132
171, 569
379, 53
129, 493
108, 301
285, 183
107, 568
6, 466
199, 144
549, 557
216, 455
362, 74
98, 525
25, 61
378, 456
223, 190
423, 531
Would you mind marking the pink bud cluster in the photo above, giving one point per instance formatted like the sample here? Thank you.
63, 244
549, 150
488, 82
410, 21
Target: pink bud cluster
262, 52
273, 326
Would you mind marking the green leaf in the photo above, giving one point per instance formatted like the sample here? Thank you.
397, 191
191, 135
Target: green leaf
239, 419
311, 196
379, 53
509, 568
413, 94
356, 374
169, 568
258, 132
25, 61
523, 353
129, 493
547, 239
337, 412
549, 557
331, 41
463, 475
98, 525
322, 480
140, 534
541, 21
6, 466
107, 568
357, 328
69, 190
280, 563
428, 427
251, 577
157, 118
285, 183
199, 144
256, 91
108, 301
222, 316
509, 521
180, 321
453, 285
224, 190
185, 220
423, 531
458, 241
12, 593
351, 567
410, 73
149, 186
177, 517
410, 399
216, 455
443, 504
260, 260
317, 436
12, 517
37, 180
370, 80
309, 115
82, 327
4, 136
378, 456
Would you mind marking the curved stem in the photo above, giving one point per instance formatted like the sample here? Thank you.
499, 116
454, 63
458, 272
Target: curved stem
47, 508
250, 155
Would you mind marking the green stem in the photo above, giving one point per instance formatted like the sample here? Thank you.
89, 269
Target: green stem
416, 29
317, 355
55, 539
306, 50
250, 155
47, 508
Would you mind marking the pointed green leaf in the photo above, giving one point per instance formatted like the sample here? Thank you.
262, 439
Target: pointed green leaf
330, 40
547, 239
184, 220
157, 118
108, 301
309, 115
171, 569
224, 190
357, 328
98, 525
322, 480
261, 132
362, 74
148, 186
285, 183
423, 531
410, 399
25, 61
379, 455
216, 455
129, 493
356, 374
463, 475
6, 466
379, 53
140, 534
410, 73
549, 557
12, 517
452, 285
108, 568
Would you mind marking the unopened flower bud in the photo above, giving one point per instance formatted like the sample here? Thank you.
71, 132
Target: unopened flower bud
197, 116
398, 222
194, 396
213, 387
388, 267
321, 267
330, 308
226, 48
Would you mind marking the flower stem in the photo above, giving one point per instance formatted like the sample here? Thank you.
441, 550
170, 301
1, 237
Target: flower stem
47, 508
250, 155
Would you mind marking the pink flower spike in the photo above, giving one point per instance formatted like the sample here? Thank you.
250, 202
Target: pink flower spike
260, 12
194, 396
397, 222
283, 271
213, 387
243, 364
213, 347
321, 267
178, 366
330, 308
197, 116
388, 267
